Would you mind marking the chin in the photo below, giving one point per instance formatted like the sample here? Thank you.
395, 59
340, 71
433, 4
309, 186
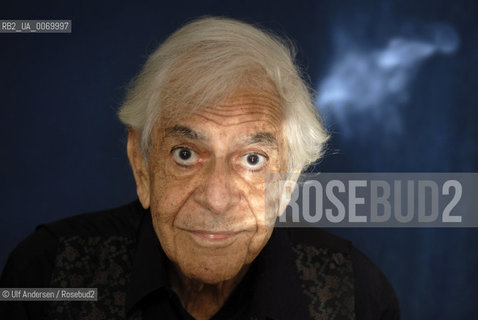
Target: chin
212, 270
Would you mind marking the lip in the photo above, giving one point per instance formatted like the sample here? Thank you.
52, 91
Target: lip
213, 236
212, 239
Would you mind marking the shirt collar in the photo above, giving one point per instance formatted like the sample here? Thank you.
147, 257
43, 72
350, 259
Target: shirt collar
277, 293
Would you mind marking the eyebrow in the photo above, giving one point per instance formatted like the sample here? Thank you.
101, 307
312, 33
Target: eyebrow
181, 131
260, 138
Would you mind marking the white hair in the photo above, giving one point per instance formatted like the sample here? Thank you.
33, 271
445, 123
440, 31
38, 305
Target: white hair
209, 59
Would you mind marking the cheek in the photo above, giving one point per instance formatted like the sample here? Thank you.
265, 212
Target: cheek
168, 197
169, 191
264, 222
255, 198
255, 202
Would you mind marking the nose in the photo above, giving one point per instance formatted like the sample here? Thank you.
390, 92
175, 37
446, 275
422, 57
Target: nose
218, 193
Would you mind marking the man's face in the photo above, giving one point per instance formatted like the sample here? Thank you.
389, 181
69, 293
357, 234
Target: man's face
207, 184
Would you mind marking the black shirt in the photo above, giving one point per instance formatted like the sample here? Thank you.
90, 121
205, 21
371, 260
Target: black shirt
300, 274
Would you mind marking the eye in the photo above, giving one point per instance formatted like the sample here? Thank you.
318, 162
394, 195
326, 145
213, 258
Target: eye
184, 156
253, 161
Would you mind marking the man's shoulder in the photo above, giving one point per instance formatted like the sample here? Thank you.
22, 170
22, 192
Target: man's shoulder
333, 269
92, 250
38, 253
119, 221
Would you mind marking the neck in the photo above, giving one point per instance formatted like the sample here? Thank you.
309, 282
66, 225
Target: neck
202, 300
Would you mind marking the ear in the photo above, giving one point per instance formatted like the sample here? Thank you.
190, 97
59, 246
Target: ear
139, 166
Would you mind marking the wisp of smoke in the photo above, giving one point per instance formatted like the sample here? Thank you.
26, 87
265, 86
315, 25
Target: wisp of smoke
376, 80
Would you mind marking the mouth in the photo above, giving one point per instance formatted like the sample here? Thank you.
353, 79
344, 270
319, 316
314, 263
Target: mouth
207, 238
214, 236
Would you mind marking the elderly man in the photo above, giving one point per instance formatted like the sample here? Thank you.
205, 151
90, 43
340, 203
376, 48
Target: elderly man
217, 106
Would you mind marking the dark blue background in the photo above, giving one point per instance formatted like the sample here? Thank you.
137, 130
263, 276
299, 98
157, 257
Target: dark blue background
63, 149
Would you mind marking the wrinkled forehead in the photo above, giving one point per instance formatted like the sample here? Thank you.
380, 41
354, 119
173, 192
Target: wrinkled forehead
239, 107
247, 106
